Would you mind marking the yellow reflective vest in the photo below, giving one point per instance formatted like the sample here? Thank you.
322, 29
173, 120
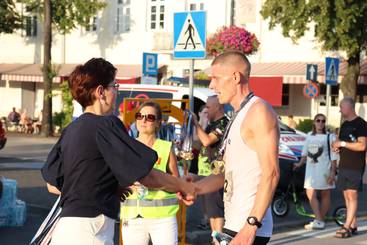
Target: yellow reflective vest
157, 203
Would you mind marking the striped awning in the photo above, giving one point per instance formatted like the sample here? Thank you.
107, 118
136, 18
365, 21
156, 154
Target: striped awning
33, 72
295, 72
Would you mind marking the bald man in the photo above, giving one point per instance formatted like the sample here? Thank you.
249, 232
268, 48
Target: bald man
351, 146
251, 169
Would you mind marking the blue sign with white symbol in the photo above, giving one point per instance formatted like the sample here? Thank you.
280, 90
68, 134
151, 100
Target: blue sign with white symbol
189, 35
311, 72
331, 71
150, 64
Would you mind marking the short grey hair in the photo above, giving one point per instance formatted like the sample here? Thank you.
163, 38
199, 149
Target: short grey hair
349, 100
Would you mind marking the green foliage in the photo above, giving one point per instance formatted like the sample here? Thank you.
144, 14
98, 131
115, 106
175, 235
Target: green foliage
305, 125
67, 104
201, 76
9, 18
58, 119
339, 24
66, 14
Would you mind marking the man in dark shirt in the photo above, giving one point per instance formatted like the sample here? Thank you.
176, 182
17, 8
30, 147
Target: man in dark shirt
352, 149
14, 116
212, 204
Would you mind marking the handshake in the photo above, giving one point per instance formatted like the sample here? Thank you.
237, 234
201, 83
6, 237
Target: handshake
189, 189
184, 187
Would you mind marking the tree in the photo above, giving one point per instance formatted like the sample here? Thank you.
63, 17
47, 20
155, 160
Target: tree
9, 17
339, 25
63, 16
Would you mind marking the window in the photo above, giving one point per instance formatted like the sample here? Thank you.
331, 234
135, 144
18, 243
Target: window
334, 92
92, 24
361, 93
196, 6
123, 16
156, 14
31, 26
285, 95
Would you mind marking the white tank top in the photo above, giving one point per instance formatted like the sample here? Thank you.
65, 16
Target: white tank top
242, 177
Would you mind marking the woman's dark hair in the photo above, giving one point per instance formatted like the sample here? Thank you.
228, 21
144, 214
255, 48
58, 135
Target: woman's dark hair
155, 105
86, 78
313, 124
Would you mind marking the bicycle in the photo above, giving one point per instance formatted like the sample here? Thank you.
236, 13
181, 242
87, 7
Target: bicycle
280, 205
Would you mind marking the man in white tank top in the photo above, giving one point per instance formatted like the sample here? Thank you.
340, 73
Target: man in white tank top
251, 154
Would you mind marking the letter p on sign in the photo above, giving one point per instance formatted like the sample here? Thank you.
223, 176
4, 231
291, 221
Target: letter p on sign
150, 64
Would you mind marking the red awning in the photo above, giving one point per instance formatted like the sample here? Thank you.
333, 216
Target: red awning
268, 88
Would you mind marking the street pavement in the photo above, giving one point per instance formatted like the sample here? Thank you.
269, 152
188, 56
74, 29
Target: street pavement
24, 155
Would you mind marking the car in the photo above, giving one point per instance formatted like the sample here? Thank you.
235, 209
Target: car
2, 135
291, 140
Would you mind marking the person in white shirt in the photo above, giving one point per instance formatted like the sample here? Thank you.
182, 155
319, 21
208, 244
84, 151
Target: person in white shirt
320, 163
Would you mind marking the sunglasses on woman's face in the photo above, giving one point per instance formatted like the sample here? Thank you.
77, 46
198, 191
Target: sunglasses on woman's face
320, 120
148, 117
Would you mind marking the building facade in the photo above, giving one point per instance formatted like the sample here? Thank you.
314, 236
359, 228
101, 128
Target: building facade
125, 29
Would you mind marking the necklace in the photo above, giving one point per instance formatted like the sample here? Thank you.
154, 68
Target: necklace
218, 163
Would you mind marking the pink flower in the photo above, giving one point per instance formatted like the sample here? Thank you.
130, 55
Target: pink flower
234, 38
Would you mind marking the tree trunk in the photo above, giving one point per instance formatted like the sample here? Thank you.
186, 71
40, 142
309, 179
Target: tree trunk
47, 72
349, 82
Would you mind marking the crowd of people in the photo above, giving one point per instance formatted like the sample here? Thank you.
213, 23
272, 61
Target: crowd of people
100, 171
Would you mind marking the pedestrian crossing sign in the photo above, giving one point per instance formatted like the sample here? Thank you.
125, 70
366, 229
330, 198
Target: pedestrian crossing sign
189, 35
331, 71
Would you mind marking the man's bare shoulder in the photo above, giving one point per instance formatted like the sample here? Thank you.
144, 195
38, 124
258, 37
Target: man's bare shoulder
261, 112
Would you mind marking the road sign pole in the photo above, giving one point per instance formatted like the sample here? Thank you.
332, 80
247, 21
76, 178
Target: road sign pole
328, 100
191, 85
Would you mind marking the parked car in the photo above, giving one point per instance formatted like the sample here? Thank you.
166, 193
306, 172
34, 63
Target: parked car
291, 141
2, 135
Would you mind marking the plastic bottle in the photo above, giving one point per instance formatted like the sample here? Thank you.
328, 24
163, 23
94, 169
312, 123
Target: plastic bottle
222, 238
142, 191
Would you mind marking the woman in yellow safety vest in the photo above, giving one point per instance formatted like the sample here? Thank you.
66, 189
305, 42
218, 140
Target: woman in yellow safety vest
150, 214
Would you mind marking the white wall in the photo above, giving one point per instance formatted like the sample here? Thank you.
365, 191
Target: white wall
10, 93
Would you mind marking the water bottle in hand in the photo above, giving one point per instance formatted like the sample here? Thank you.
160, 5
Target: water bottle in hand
222, 238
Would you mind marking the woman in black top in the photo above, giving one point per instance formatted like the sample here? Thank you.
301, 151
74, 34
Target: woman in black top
95, 159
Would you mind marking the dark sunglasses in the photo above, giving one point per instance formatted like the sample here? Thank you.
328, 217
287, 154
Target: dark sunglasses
319, 120
148, 117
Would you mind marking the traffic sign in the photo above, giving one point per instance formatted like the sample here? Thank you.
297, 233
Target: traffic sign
331, 71
149, 80
150, 64
311, 90
189, 35
311, 72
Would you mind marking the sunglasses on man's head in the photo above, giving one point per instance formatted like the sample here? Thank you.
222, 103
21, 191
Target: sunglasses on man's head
320, 120
148, 117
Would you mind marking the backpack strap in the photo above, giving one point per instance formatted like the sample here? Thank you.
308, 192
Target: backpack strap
328, 145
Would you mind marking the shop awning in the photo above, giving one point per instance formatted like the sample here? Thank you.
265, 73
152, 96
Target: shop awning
268, 88
295, 72
33, 72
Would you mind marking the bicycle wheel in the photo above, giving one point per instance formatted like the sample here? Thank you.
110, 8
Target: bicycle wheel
280, 206
340, 215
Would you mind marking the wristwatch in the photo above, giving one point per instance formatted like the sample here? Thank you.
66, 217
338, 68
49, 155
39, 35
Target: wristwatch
343, 144
252, 220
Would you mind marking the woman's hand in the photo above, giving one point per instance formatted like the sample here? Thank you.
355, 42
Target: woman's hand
124, 193
331, 178
297, 165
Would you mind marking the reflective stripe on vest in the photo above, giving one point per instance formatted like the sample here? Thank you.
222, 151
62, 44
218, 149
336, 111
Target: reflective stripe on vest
157, 203
150, 203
